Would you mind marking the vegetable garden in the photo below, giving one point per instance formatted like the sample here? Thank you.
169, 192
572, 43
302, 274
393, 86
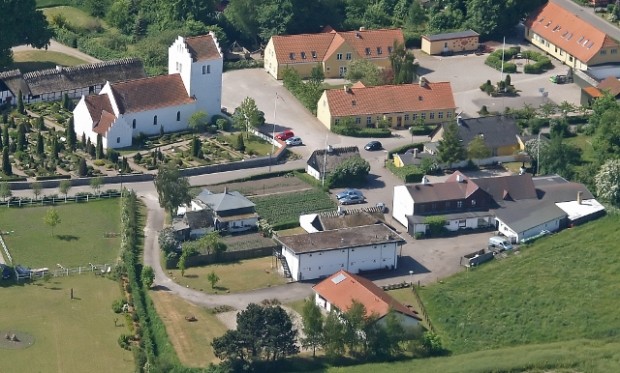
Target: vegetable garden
283, 210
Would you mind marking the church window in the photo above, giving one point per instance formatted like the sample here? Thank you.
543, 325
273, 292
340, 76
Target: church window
133, 124
178, 116
155, 120
204, 70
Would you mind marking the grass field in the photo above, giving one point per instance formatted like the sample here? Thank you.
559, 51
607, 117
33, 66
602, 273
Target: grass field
563, 287
191, 340
77, 240
75, 17
237, 277
286, 207
584, 143
70, 335
41, 59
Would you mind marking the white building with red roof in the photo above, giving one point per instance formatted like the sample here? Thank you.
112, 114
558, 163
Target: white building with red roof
333, 51
399, 105
125, 109
338, 291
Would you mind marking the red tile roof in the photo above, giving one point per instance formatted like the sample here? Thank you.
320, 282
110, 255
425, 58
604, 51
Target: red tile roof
203, 48
101, 112
324, 44
390, 99
610, 84
593, 92
342, 288
568, 31
150, 93
104, 123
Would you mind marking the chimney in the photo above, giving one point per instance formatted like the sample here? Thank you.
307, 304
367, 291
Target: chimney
425, 180
415, 152
459, 120
579, 197
226, 190
459, 178
358, 35
423, 82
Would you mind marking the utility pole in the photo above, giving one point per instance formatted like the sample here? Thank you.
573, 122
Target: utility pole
538, 154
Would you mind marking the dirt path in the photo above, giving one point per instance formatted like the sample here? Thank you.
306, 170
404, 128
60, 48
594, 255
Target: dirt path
61, 48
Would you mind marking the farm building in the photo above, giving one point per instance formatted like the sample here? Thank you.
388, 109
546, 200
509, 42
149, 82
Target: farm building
398, 105
323, 161
364, 248
124, 110
331, 50
230, 211
76, 81
452, 42
338, 291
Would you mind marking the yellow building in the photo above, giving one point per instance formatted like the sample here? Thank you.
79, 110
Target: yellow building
453, 42
331, 50
570, 38
398, 105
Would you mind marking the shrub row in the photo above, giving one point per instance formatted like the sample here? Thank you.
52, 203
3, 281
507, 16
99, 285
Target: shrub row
496, 62
404, 148
242, 64
409, 174
542, 64
362, 132
52, 177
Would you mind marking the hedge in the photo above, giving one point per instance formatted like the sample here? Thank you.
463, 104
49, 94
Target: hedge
362, 132
421, 130
495, 59
404, 148
242, 64
52, 177
409, 174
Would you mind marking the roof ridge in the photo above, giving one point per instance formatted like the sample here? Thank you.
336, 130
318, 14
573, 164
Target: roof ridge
78, 68
10, 73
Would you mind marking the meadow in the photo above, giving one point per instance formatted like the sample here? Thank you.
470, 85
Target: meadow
76, 335
86, 234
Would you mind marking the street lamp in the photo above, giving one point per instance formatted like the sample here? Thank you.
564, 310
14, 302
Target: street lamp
411, 277
273, 131
120, 174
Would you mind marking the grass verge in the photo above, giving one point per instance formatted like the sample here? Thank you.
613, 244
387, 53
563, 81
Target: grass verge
236, 277
65, 331
78, 239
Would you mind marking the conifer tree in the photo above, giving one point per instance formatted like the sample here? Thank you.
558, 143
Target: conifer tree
40, 144
6, 162
20, 103
70, 135
99, 149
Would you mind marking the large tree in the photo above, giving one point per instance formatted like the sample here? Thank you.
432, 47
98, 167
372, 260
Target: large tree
559, 158
608, 182
312, 320
274, 18
247, 115
172, 188
450, 148
364, 71
403, 65
477, 148
52, 218
21, 24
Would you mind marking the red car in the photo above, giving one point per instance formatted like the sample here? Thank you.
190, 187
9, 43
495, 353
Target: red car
283, 136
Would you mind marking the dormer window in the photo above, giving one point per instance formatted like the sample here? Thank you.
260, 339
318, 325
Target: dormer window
313, 54
303, 55
548, 24
291, 56
353, 103
368, 51
379, 50
580, 40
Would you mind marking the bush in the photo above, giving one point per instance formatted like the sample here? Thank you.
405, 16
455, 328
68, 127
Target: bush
223, 125
409, 173
124, 340
362, 132
495, 60
404, 148
117, 305
243, 64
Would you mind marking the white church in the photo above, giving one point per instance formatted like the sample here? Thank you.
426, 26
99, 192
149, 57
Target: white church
122, 110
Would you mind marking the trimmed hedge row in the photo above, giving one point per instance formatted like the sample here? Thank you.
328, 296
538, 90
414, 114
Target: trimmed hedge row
51, 177
543, 63
409, 174
242, 64
404, 148
362, 132
495, 61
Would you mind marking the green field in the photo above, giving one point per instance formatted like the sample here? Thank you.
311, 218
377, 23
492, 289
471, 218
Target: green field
285, 208
75, 17
34, 60
77, 240
70, 335
561, 288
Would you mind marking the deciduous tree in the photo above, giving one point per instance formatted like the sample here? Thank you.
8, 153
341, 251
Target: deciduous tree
148, 276
312, 320
247, 115
52, 219
36, 189
350, 172
213, 279
5, 191
608, 182
96, 183
172, 188
199, 121
364, 71
403, 65
478, 149
64, 186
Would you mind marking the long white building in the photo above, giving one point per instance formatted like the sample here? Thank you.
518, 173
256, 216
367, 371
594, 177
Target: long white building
125, 109
321, 254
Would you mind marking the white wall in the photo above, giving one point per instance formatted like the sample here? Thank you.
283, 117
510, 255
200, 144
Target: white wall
166, 117
405, 320
180, 61
551, 226
82, 122
292, 261
402, 205
312, 172
242, 225
119, 135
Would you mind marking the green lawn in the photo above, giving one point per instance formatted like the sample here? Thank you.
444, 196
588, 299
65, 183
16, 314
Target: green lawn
253, 145
285, 208
50, 3
584, 143
70, 335
77, 240
561, 288
236, 277
33, 60
75, 17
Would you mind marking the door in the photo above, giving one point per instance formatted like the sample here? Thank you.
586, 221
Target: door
343, 71
399, 121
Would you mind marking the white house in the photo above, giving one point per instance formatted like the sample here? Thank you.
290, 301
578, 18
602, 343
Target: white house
231, 211
342, 288
125, 109
320, 254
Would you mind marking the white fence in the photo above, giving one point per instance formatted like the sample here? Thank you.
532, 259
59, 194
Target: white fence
6, 251
97, 269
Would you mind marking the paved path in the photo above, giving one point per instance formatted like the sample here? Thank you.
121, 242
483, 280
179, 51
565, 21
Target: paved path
57, 47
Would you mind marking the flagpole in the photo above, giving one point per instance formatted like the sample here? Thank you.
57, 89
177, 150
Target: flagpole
273, 132
503, 53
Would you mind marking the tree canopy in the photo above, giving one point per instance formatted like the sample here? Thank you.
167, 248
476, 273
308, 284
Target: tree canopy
172, 189
450, 148
21, 24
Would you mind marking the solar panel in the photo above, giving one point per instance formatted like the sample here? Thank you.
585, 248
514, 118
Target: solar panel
338, 279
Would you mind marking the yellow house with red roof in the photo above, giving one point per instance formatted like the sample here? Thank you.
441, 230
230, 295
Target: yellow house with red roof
400, 105
333, 51
570, 38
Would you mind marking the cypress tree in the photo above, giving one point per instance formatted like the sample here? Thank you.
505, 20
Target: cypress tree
83, 140
5, 135
1, 141
99, 150
66, 102
21, 138
54, 147
40, 144
11, 122
70, 134
82, 169
6, 163
5, 117
196, 145
40, 124
20, 104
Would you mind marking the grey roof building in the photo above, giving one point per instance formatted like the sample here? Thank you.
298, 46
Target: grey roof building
230, 210
323, 161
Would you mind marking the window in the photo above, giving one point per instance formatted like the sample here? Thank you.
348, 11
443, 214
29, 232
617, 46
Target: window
473, 202
440, 115
337, 122
358, 120
406, 117
415, 117
353, 103
133, 124
368, 120
447, 205
303, 55
423, 115
449, 114
178, 116
389, 49
368, 51
613, 51
291, 56
603, 52
431, 116
378, 118
313, 54
570, 58
180, 68
379, 50
459, 204
462, 223
118, 140
445, 45
208, 69
349, 56
339, 56
155, 120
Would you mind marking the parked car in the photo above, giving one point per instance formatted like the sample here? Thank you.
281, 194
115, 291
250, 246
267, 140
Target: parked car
285, 135
294, 141
560, 79
373, 145
349, 192
5, 271
351, 200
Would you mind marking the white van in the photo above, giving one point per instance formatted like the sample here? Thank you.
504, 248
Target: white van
500, 242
